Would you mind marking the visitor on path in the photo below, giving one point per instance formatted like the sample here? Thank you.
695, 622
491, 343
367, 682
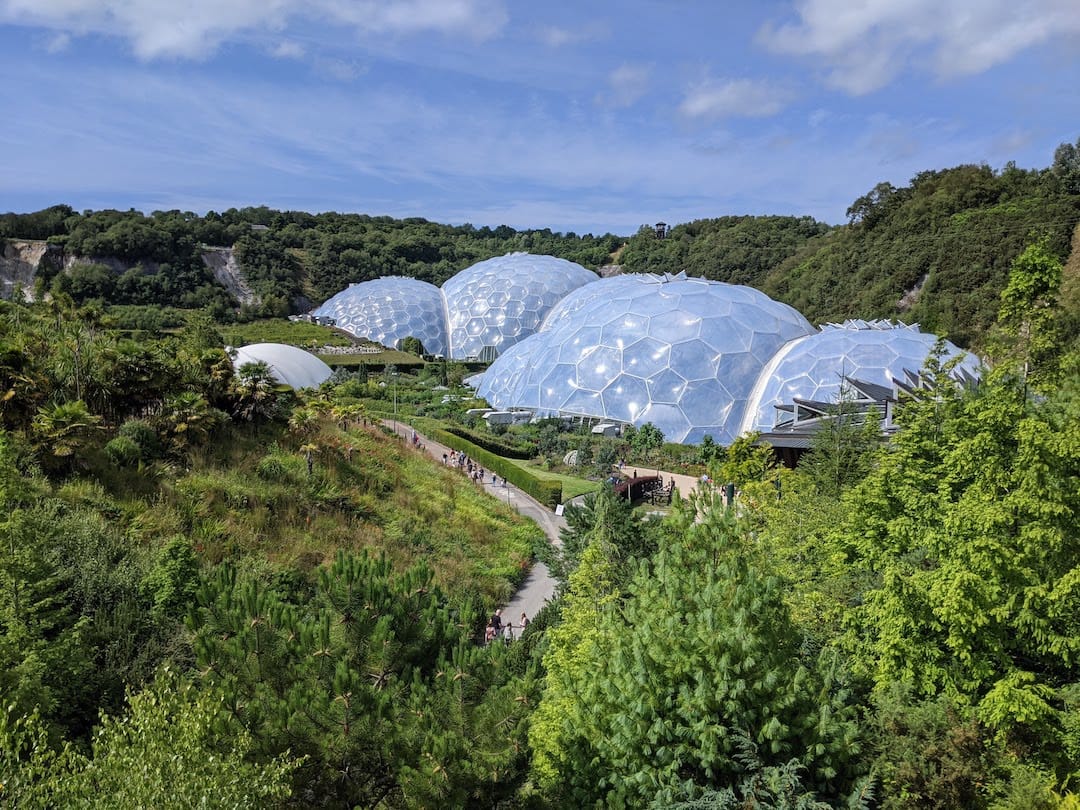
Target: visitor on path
489, 633
496, 620
524, 622
508, 633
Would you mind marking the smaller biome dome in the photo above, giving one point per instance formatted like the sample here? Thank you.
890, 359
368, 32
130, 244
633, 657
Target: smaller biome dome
289, 365
813, 368
493, 304
387, 310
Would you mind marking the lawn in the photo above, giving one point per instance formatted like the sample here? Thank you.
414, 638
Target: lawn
303, 334
572, 485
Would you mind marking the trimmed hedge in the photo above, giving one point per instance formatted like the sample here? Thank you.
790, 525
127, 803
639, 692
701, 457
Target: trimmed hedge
546, 492
492, 444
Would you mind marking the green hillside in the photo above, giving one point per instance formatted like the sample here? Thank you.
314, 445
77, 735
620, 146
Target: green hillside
934, 251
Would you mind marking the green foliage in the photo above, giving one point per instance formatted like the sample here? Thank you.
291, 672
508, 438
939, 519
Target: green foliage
171, 583
376, 682
842, 450
969, 528
629, 537
735, 249
175, 747
1029, 311
659, 697
647, 439
936, 251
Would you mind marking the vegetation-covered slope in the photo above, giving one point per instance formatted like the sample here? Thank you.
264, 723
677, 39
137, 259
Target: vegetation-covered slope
934, 251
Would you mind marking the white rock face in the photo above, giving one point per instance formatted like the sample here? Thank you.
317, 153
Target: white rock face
19, 262
222, 262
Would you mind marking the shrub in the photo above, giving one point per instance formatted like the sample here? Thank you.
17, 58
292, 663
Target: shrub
143, 435
123, 452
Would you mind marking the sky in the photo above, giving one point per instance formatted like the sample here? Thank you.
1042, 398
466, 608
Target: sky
590, 116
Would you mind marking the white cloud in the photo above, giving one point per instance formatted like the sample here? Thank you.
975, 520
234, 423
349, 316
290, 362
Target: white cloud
58, 43
626, 84
865, 45
727, 98
196, 28
288, 49
555, 36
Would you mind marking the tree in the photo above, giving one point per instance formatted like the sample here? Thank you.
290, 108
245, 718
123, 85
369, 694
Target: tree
968, 528
64, 429
255, 391
657, 698
175, 747
1029, 307
1066, 166
842, 449
376, 681
647, 440
600, 513
412, 345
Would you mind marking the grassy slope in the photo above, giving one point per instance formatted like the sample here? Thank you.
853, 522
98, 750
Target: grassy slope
250, 498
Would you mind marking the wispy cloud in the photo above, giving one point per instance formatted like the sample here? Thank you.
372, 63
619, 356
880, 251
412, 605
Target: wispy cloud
288, 49
626, 84
863, 46
728, 98
557, 36
195, 29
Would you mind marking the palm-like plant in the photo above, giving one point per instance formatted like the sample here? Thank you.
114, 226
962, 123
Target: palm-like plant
64, 428
254, 389
188, 419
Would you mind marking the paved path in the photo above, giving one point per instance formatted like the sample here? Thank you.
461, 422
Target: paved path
538, 587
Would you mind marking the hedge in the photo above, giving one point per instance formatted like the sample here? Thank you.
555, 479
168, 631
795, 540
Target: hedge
546, 492
493, 444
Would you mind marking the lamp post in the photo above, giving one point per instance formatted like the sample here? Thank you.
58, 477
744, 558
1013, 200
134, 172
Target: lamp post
394, 374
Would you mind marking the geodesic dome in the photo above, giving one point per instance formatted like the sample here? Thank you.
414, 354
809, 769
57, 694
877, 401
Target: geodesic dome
388, 309
495, 303
289, 365
682, 353
813, 367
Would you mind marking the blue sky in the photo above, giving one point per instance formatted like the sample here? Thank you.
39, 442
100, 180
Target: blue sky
583, 116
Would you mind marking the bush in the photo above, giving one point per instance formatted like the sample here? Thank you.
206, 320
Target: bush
123, 452
144, 436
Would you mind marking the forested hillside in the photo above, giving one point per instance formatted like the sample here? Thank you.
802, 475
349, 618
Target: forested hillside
291, 259
935, 251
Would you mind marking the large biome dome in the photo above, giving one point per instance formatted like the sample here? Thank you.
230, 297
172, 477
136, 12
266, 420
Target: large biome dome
813, 367
389, 309
289, 365
681, 353
493, 304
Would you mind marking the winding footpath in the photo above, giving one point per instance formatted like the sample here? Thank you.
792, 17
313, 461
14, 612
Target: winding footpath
538, 587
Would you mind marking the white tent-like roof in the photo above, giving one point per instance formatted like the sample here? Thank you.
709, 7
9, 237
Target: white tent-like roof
289, 365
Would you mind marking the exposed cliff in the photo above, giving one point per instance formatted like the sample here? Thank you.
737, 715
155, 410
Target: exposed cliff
227, 273
22, 261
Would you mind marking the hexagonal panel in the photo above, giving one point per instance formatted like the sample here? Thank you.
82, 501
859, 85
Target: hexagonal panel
387, 310
519, 285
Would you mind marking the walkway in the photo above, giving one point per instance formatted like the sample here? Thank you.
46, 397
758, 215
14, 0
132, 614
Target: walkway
538, 587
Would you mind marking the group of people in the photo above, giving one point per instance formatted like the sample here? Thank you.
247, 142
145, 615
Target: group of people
497, 628
466, 465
